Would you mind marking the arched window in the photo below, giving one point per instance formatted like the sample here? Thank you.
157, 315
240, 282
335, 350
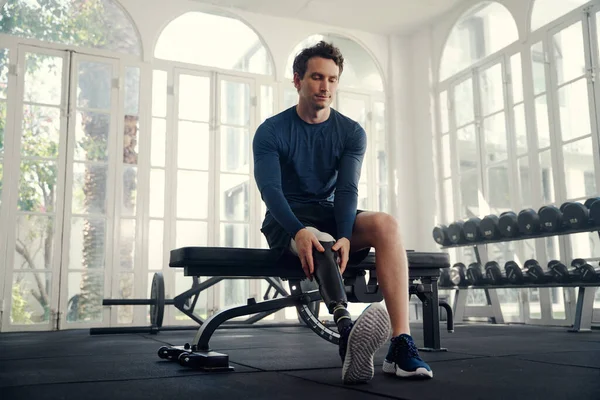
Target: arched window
481, 31
360, 71
546, 11
97, 24
213, 41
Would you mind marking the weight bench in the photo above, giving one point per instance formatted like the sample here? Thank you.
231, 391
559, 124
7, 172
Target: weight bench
237, 263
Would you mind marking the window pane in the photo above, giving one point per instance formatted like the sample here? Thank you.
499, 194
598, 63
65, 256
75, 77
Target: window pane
574, 110
494, 131
155, 244
4, 57
569, 56
469, 192
546, 11
381, 142
130, 140
234, 235
235, 149
94, 85
159, 93
191, 233
192, 194
2, 125
194, 95
547, 177
267, 102
585, 245
383, 199
525, 182
31, 297
235, 103
444, 114
35, 242
360, 69
40, 131
542, 124
89, 188
579, 169
43, 78
129, 194
232, 45
498, 189
491, 86
37, 187
85, 291
157, 193
193, 145
467, 148
132, 91
100, 24
127, 244
234, 197
538, 60
520, 129
482, 31
86, 248
353, 108
516, 74
92, 132
463, 102
158, 143
125, 313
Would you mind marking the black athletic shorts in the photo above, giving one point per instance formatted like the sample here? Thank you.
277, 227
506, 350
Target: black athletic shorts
320, 216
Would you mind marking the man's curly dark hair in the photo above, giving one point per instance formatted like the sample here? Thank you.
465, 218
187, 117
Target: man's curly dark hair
321, 49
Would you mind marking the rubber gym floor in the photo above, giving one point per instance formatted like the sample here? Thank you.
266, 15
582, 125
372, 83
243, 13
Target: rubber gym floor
483, 361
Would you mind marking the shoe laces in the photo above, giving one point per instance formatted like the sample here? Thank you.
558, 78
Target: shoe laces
406, 346
344, 334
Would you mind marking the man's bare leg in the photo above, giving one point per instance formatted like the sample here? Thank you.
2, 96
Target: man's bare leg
381, 231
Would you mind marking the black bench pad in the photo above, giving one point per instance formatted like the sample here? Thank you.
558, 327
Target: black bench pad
229, 261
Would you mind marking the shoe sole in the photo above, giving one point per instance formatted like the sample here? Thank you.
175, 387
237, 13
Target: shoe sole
419, 373
371, 330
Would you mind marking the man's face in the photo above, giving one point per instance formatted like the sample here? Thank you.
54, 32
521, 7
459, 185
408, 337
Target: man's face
319, 85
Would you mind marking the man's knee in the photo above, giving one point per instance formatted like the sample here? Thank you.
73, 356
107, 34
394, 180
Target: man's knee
383, 226
321, 237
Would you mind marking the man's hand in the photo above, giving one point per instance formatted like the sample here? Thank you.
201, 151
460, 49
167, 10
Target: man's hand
343, 247
305, 241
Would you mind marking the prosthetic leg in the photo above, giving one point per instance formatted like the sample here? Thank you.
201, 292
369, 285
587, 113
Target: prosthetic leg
331, 284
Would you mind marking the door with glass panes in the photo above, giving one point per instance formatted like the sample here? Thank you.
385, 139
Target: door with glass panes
59, 178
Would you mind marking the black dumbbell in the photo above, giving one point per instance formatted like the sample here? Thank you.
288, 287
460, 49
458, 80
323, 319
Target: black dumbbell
533, 269
551, 218
444, 280
593, 204
576, 215
508, 224
561, 273
529, 221
476, 275
471, 229
587, 272
514, 273
440, 235
489, 227
494, 274
455, 232
458, 274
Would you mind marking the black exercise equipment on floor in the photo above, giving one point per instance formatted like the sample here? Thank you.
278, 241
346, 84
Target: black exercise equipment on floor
258, 263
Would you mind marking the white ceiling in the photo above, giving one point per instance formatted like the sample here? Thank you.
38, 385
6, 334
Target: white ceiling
375, 16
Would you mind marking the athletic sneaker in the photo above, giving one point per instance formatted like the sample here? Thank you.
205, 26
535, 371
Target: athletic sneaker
359, 342
403, 359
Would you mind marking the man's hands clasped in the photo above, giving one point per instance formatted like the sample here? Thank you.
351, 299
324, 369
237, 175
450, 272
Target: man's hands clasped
306, 241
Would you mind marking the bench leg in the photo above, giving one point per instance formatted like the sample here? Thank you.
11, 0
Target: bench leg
431, 318
198, 354
585, 310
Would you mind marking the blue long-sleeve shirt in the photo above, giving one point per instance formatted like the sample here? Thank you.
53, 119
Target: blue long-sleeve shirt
298, 163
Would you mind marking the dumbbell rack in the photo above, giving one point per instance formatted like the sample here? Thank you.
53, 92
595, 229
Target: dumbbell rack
581, 315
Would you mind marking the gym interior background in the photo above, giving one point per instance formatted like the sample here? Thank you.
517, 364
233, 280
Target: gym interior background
125, 132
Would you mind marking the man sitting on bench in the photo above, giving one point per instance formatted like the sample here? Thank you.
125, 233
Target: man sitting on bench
302, 158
